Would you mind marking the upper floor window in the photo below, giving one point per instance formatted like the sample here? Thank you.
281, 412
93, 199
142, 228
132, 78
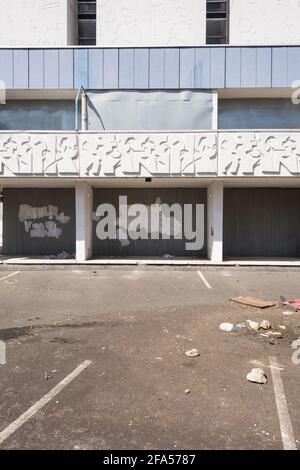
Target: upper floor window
217, 23
87, 22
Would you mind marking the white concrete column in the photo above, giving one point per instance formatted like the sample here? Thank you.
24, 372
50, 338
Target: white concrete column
215, 221
84, 209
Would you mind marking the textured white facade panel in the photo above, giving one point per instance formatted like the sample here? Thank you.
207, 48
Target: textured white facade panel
148, 155
259, 154
34, 23
151, 22
39, 154
264, 22
202, 154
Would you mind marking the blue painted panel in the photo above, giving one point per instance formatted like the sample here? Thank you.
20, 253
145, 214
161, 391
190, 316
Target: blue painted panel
36, 68
80, 68
157, 68
50, 68
217, 67
202, 60
141, 68
126, 68
172, 68
187, 67
293, 64
21, 68
233, 67
96, 68
263, 67
280, 67
111, 69
6, 67
66, 68
248, 67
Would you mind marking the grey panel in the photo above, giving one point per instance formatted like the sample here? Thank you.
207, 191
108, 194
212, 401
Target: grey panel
111, 69
279, 66
157, 68
6, 67
172, 68
36, 68
51, 68
18, 238
261, 222
66, 68
149, 110
96, 68
248, 67
202, 67
264, 67
141, 68
21, 68
38, 115
217, 67
80, 68
126, 68
233, 67
258, 114
293, 64
147, 197
187, 67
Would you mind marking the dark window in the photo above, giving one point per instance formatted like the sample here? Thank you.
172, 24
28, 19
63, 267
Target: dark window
217, 15
87, 22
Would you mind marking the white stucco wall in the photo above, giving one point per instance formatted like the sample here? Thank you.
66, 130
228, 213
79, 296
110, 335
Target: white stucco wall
259, 22
32, 23
151, 22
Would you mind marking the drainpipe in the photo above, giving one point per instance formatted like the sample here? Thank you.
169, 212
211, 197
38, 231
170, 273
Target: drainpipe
84, 120
81, 92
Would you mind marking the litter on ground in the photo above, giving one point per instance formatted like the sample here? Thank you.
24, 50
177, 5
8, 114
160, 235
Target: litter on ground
257, 375
295, 304
192, 353
254, 302
226, 326
253, 325
265, 325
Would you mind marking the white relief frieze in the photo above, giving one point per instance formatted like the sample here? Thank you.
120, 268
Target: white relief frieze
148, 154
91, 155
259, 154
39, 154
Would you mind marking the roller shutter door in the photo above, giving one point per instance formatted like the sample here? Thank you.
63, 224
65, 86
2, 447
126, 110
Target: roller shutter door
261, 222
149, 247
38, 221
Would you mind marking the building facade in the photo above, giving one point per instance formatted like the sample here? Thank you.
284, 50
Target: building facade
136, 128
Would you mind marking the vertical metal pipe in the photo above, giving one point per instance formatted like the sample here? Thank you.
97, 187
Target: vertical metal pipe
84, 121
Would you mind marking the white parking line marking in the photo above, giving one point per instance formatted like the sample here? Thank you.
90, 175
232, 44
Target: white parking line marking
42, 402
205, 282
286, 428
10, 275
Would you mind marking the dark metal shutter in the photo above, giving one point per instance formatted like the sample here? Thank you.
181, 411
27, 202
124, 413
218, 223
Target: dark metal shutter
261, 222
18, 241
148, 247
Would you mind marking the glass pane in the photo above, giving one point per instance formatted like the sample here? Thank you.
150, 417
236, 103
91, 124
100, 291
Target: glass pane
216, 28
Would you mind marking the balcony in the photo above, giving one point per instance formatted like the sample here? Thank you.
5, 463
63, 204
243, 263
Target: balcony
150, 154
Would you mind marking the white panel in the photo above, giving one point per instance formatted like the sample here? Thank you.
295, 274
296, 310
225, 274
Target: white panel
264, 22
259, 154
154, 154
34, 23
151, 22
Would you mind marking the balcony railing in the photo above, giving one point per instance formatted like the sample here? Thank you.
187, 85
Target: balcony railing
154, 154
